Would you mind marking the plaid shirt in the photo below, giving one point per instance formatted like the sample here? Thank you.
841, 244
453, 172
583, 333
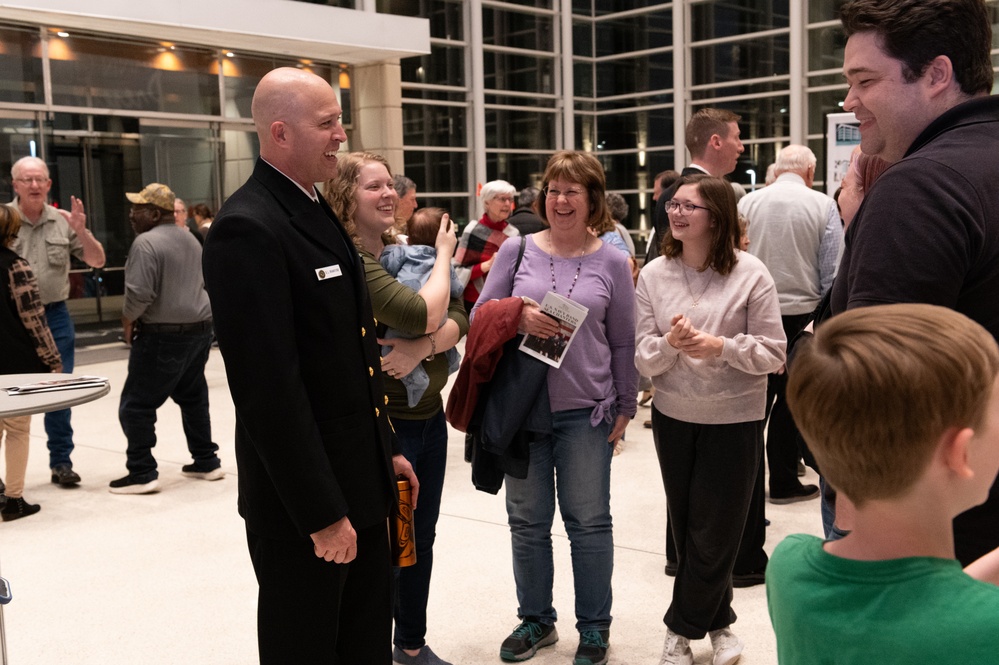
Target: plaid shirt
479, 241
24, 292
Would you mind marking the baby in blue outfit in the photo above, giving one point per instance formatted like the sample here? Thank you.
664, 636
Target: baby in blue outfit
411, 264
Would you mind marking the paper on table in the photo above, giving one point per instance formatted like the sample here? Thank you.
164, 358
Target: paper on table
57, 384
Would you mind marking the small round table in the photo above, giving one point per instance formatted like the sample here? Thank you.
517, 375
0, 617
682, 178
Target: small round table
25, 405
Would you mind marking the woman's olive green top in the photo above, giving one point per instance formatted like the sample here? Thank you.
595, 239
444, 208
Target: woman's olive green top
400, 307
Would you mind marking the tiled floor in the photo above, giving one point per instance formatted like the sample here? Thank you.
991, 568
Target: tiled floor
104, 579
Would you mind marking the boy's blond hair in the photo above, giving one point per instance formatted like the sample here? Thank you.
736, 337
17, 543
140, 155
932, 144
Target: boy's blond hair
876, 388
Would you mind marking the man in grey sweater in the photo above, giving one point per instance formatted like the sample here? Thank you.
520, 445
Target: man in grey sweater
168, 323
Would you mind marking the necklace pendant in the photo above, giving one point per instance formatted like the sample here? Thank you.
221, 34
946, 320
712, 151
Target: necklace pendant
693, 304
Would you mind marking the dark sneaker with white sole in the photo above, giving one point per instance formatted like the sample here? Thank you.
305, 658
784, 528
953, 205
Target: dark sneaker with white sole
129, 485
192, 471
526, 639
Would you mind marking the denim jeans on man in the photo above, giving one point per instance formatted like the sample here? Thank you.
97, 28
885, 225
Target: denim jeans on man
574, 462
57, 423
161, 366
424, 444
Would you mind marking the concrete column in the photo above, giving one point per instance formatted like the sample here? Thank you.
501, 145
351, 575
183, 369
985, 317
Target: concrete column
377, 93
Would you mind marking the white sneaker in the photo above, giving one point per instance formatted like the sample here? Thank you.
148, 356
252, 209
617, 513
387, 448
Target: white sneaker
727, 647
676, 650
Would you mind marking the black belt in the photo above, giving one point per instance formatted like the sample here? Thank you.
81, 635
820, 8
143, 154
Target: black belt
177, 328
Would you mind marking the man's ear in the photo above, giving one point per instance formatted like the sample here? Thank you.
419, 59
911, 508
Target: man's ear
939, 74
715, 141
953, 447
279, 132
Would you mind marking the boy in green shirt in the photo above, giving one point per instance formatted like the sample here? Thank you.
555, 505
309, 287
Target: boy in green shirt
899, 404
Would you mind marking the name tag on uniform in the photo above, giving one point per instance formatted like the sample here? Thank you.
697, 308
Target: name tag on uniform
328, 272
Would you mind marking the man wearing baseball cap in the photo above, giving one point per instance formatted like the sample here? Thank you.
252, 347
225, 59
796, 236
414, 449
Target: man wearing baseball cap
168, 323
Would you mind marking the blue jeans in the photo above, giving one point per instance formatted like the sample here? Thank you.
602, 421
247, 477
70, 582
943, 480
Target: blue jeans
57, 423
579, 455
161, 366
424, 444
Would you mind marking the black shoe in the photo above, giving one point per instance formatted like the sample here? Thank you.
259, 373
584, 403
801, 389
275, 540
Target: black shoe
746, 580
801, 468
192, 471
526, 639
15, 509
592, 649
671, 567
129, 485
63, 474
803, 493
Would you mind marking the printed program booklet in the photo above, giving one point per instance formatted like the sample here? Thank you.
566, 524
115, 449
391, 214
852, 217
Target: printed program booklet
569, 315
57, 384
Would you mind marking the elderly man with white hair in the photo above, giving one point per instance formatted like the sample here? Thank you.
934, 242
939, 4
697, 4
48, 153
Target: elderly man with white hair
47, 240
797, 233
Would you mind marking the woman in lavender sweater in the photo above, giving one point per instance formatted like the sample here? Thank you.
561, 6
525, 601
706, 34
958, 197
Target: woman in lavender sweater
708, 333
592, 397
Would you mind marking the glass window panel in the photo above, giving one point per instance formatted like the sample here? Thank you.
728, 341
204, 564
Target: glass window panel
434, 125
582, 38
509, 100
818, 146
517, 30
97, 168
625, 171
520, 129
20, 66
753, 58
634, 33
434, 171
523, 73
456, 206
825, 48
640, 74
446, 19
635, 129
412, 94
519, 170
821, 104
184, 157
143, 76
445, 15
16, 137
604, 7
828, 79
582, 79
444, 66
243, 72
540, 4
757, 157
724, 18
241, 149
745, 89
585, 131
824, 10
